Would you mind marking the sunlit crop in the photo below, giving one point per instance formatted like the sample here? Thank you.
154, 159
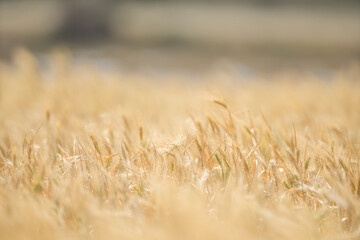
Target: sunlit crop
89, 153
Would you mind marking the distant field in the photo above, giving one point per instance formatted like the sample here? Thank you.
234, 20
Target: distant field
196, 36
93, 154
240, 25
209, 24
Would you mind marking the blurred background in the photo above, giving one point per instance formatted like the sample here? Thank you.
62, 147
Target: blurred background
194, 36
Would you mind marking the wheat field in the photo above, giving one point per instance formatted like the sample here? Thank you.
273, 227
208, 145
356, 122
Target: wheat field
92, 154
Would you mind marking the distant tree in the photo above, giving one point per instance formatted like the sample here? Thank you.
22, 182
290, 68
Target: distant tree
85, 19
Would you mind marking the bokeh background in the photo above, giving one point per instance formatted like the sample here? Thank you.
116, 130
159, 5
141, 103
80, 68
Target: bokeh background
248, 36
